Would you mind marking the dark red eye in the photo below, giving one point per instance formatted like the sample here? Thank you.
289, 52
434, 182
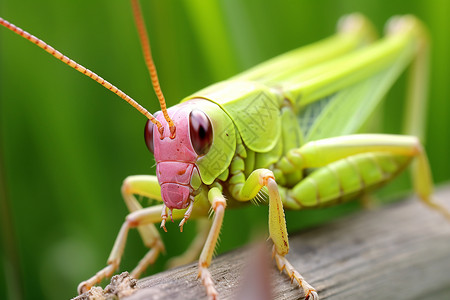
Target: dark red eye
201, 132
148, 135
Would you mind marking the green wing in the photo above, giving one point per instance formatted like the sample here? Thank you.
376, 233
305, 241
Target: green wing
338, 96
346, 111
353, 31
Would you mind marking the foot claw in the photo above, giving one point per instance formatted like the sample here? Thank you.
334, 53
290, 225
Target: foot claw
312, 296
83, 287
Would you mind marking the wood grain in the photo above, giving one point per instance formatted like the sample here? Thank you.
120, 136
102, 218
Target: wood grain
399, 251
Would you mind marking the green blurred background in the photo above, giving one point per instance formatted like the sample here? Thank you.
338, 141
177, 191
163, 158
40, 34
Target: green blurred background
67, 143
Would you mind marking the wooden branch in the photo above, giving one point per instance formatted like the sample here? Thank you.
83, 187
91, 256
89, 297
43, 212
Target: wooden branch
400, 251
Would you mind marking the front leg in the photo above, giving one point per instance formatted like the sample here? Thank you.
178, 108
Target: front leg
146, 186
143, 219
133, 220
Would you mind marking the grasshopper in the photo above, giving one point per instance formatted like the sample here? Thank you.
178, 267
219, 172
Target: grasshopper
269, 135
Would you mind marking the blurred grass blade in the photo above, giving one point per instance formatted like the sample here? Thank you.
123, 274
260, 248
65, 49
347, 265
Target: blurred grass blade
209, 26
10, 254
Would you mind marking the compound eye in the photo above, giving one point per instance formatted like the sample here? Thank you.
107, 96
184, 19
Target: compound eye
148, 135
201, 131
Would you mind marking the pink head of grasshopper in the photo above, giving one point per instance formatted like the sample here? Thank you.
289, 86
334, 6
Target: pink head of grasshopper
173, 149
176, 156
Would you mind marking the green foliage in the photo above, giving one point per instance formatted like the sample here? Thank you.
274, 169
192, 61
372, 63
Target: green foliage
67, 143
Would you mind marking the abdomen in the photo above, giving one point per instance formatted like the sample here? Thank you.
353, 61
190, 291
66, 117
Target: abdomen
345, 179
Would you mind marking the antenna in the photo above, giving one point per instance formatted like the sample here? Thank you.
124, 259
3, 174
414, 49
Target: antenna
146, 49
55, 53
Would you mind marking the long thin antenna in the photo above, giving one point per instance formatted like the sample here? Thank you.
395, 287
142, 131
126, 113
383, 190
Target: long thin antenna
146, 49
55, 53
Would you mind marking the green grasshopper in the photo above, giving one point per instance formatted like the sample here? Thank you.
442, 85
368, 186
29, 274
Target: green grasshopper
274, 134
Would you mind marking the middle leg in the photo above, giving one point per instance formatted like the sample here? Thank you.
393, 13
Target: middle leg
249, 189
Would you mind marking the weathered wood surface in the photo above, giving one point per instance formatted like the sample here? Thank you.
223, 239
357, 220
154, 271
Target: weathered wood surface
400, 251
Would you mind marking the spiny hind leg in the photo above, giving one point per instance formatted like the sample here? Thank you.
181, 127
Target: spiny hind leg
277, 224
324, 152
